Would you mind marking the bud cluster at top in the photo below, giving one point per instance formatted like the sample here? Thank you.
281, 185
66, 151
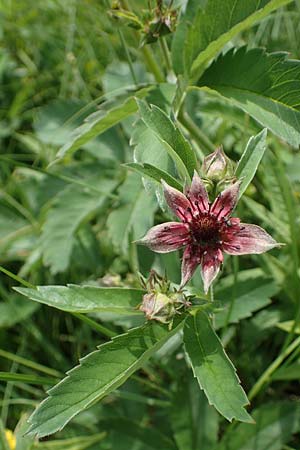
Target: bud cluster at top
217, 171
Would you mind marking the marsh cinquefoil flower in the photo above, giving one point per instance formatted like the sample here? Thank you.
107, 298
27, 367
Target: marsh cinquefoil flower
206, 230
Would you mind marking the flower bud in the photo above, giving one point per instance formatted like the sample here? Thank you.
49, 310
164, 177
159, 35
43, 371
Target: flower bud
216, 166
157, 306
161, 303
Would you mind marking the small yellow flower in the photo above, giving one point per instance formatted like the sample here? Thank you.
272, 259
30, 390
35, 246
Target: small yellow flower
10, 437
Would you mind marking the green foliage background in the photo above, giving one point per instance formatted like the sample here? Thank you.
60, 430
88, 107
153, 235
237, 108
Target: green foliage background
71, 206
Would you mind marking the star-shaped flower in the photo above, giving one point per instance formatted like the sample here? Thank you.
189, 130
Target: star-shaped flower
206, 230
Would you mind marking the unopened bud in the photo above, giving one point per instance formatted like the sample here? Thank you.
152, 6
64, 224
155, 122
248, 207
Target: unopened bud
161, 303
216, 166
157, 306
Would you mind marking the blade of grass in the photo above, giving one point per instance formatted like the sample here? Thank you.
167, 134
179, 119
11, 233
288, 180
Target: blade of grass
33, 365
24, 378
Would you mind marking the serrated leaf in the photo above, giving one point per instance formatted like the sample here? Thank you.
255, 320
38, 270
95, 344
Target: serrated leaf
252, 291
70, 208
250, 159
171, 137
155, 174
100, 121
208, 26
86, 299
264, 85
98, 374
134, 216
149, 150
213, 369
274, 427
23, 442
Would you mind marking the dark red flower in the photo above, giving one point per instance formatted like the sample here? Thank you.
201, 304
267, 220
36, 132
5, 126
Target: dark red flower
206, 230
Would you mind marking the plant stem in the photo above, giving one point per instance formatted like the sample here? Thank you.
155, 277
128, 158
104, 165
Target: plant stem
265, 377
23, 378
124, 45
152, 64
212, 298
33, 365
16, 278
204, 142
211, 294
235, 262
166, 53
95, 325
147, 53
287, 195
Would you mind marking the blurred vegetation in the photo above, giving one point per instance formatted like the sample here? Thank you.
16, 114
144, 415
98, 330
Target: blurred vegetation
62, 223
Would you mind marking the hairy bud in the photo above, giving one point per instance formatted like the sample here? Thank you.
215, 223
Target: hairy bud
216, 166
160, 303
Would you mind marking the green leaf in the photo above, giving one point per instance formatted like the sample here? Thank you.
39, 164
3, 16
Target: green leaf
149, 150
264, 85
250, 160
98, 374
193, 420
274, 427
100, 121
288, 325
155, 174
23, 442
55, 121
75, 443
252, 291
86, 299
267, 218
14, 310
213, 369
213, 106
149, 436
70, 208
174, 142
24, 378
134, 216
291, 372
208, 26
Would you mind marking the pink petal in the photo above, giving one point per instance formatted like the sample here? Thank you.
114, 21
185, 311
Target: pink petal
190, 261
166, 237
177, 202
198, 195
226, 201
249, 239
210, 266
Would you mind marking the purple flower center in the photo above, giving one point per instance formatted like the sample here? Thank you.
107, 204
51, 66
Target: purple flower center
206, 230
